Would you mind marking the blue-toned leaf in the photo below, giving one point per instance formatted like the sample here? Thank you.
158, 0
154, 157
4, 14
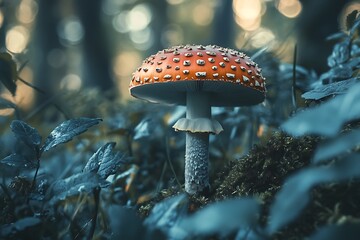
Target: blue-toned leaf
340, 54
178, 112
348, 231
21, 225
337, 36
337, 146
144, 129
4, 104
328, 118
104, 161
166, 214
223, 217
18, 161
355, 27
74, 185
24, 132
67, 130
8, 72
338, 73
125, 224
327, 90
294, 195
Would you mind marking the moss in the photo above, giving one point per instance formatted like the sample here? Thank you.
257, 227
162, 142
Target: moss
262, 173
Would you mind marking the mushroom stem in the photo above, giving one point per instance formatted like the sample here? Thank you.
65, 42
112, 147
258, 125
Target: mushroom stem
197, 145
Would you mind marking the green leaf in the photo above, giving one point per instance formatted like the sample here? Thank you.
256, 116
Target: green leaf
24, 132
67, 130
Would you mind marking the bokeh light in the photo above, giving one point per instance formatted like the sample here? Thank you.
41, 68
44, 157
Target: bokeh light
203, 14
70, 30
289, 8
248, 13
17, 39
143, 39
263, 37
139, 17
174, 2
123, 66
25, 95
71, 82
1, 18
27, 11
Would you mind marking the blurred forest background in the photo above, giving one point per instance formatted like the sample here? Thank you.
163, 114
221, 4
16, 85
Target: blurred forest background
66, 65
68, 45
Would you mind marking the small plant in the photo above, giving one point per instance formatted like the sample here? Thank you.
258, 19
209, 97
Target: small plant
39, 200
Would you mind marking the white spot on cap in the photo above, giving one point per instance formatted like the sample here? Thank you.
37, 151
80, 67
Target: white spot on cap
187, 63
257, 84
186, 71
230, 75
200, 62
246, 79
176, 60
167, 76
215, 74
211, 53
200, 74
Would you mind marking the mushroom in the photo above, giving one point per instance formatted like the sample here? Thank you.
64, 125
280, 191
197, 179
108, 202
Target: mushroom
198, 77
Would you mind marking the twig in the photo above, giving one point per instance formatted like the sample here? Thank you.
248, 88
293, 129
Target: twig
169, 161
96, 192
294, 79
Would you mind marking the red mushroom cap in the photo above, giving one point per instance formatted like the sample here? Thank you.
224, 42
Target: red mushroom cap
230, 76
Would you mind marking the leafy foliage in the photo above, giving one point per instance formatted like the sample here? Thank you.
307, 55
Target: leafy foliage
24, 132
67, 130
